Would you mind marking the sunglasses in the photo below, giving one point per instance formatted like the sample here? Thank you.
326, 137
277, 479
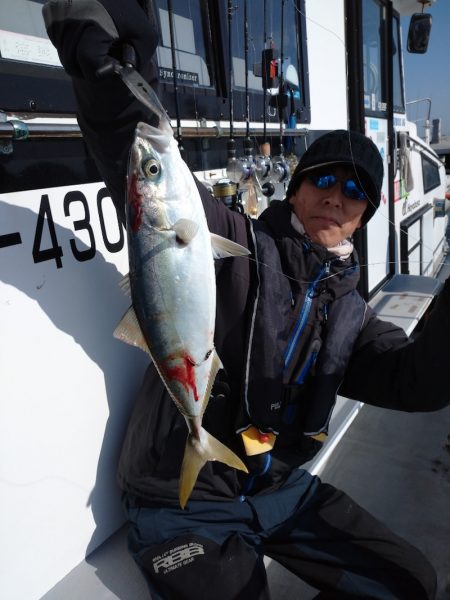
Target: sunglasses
350, 188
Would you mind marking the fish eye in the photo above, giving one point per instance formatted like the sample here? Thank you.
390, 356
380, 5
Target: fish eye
151, 168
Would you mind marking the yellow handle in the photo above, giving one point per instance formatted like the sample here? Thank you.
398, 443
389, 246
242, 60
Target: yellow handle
256, 442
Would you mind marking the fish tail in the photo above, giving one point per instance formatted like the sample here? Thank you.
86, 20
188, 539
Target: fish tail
196, 455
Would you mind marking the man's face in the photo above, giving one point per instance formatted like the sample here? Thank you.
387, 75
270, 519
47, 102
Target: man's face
327, 215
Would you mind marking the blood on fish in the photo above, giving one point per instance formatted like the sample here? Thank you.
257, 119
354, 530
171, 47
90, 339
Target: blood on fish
136, 203
184, 372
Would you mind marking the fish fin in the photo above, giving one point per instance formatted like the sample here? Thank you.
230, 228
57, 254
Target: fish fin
130, 332
196, 455
224, 248
125, 285
185, 230
216, 365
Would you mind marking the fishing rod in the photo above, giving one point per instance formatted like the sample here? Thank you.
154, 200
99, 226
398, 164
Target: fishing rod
265, 86
280, 166
281, 83
175, 76
263, 162
248, 164
231, 145
248, 146
227, 190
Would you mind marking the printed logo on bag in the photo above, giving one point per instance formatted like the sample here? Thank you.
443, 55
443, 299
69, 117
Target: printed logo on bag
177, 557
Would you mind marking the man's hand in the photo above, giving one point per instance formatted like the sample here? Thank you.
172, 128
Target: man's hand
88, 33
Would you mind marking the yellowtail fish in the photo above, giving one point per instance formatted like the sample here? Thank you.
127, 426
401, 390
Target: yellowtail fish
173, 287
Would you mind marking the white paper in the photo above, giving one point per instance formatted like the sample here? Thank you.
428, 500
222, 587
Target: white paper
28, 48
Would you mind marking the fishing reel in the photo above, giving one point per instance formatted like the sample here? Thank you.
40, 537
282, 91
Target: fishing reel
227, 191
263, 166
263, 162
263, 170
240, 169
280, 169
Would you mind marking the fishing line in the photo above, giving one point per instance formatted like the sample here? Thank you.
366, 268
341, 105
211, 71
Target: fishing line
341, 41
231, 145
332, 275
416, 239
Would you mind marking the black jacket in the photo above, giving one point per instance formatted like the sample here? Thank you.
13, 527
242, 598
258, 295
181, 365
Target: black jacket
383, 368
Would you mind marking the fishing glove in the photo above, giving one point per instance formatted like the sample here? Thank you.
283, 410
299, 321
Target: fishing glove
87, 34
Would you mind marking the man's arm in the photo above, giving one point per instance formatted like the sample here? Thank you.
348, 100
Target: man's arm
87, 35
389, 371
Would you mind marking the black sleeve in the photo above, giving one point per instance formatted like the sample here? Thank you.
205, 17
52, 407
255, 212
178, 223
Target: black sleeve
88, 35
108, 115
109, 135
390, 371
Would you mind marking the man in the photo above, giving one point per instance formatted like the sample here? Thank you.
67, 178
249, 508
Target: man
291, 331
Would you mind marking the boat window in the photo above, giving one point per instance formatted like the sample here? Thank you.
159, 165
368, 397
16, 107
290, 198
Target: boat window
430, 170
31, 76
399, 98
22, 33
373, 38
271, 26
188, 23
200, 32
283, 41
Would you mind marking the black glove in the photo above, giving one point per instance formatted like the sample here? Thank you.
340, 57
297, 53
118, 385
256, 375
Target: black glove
87, 33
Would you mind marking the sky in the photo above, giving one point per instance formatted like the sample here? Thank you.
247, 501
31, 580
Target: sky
428, 75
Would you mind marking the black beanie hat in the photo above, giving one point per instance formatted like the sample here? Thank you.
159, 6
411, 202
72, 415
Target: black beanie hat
349, 148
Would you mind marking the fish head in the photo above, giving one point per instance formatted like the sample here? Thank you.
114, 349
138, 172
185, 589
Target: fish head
155, 176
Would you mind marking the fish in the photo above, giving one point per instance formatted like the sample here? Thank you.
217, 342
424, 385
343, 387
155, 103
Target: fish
173, 288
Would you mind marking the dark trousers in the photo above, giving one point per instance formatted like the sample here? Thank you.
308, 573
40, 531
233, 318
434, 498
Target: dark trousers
215, 549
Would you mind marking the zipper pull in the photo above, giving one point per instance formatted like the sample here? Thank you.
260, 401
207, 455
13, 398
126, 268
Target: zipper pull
327, 267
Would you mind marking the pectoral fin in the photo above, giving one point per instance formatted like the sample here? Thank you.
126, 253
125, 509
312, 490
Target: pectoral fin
125, 285
185, 230
224, 248
130, 332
